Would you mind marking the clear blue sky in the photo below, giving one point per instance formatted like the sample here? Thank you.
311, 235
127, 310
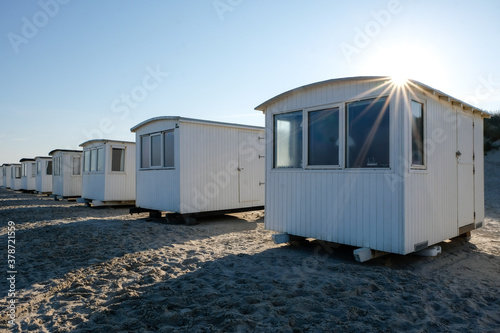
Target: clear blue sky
67, 69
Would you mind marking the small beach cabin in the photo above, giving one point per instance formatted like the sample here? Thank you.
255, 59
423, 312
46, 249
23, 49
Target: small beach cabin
43, 174
28, 174
15, 176
368, 162
66, 173
2, 175
192, 166
108, 172
6, 175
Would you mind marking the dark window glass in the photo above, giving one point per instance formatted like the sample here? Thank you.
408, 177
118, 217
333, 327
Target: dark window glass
145, 151
118, 159
417, 133
168, 147
323, 137
367, 135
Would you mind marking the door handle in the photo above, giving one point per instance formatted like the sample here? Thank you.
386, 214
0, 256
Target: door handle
241, 169
458, 153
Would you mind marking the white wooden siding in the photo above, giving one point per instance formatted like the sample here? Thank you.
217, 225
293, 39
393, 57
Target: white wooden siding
43, 181
355, 207
15, 183
108, 185
479, 168
28, 182
206, 176
7, 180
66, 184
158, 189
388, 210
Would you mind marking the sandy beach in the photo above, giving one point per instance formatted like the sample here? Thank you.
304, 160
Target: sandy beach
83, 269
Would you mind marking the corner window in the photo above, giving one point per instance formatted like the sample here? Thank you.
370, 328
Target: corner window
57, 166
145, 151
33, 169
100, 159
17, 172
117, 159
323, 137
93, 160
39, 167
288, 140
24, 169
417, 134
367, 134
86, 161
156, 150
76, 165
48, 167
168, 149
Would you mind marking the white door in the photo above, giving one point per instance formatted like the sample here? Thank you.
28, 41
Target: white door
251, 167
465, 169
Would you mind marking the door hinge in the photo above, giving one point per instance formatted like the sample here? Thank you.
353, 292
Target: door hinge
473, 170
262, 156
474, 215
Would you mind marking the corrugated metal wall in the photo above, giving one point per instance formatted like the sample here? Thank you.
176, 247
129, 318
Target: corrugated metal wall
355, 207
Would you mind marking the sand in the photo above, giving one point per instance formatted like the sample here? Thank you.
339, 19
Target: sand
81, 269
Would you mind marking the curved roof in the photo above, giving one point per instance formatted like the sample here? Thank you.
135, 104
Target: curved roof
192, 120
27, 160
66, 151
104, 141
436, 92
42, 157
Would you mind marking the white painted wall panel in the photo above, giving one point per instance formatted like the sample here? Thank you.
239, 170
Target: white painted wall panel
43, 181
206, 176
28, 182
479, 168
66, 184
7, 180
15, 183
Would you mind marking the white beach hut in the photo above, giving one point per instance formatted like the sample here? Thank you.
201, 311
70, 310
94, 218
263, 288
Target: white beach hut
192, 166
43, 174
370, 163
66, 173
2, 175
15, 176
28, 174
6, 175
108, 172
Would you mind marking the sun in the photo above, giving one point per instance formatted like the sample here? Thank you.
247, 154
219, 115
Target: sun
399, 79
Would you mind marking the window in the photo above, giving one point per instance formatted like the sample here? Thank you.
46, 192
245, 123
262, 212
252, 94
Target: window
86, 160
156, 150
145, 151
17, 172
168, 149
367, 134
417, 134
39, 167
33, 169
93, 160
100, 159
48, 167
24, 169
117, 159
323, 137
288, 140
57, 166
76, 165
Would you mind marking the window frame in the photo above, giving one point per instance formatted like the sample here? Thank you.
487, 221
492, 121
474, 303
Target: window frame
423, 166
124, 152
33, 169
305, 148
148, 138
79, 158
16, 168
273, 162
47, 163
56, 170
346, 124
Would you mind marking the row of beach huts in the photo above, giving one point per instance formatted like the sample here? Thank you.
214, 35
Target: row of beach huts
359, 161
